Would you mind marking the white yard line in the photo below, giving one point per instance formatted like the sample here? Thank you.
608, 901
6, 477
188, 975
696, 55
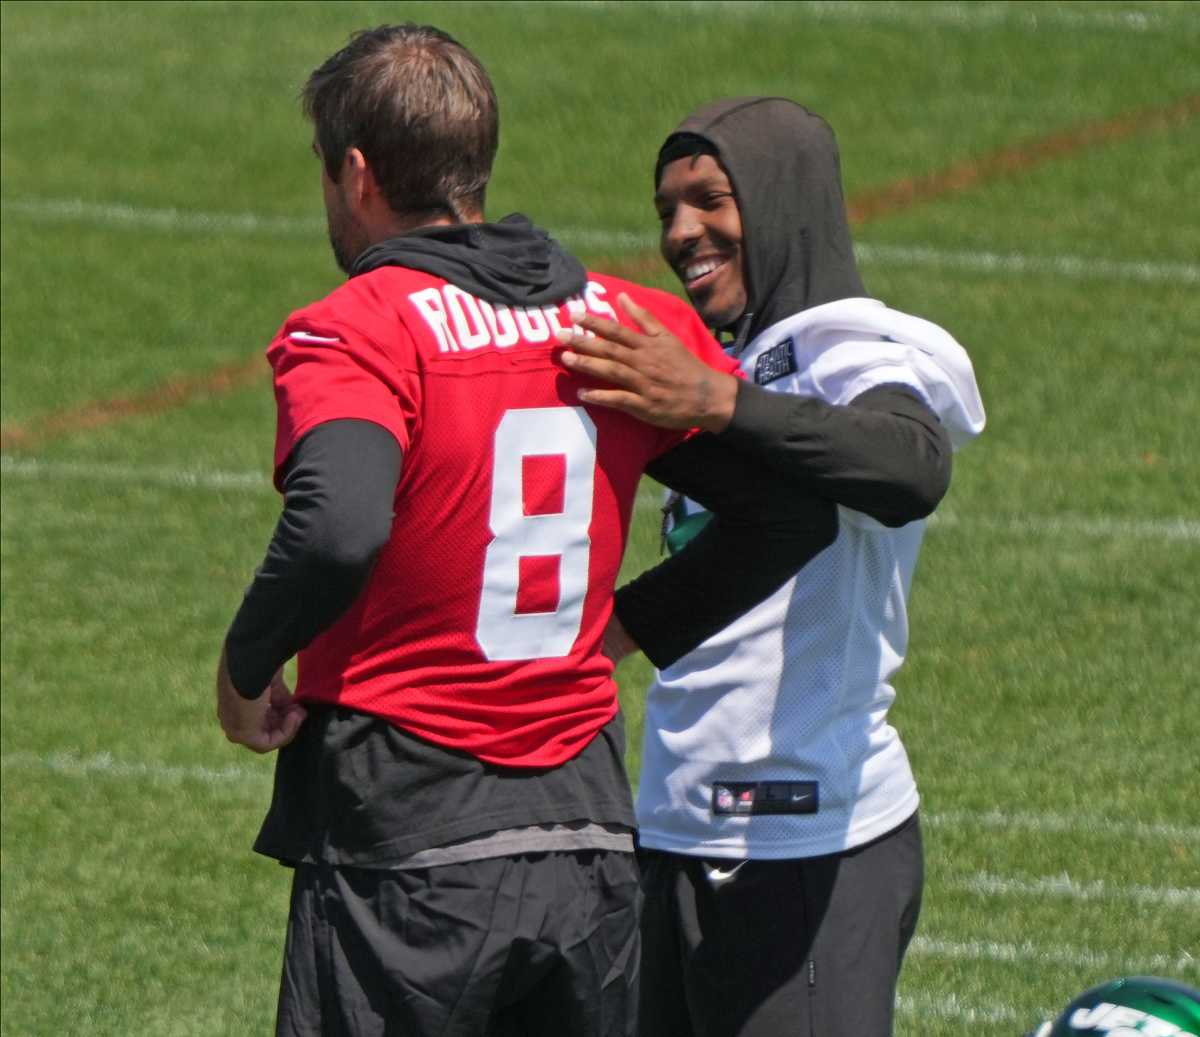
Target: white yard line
1096, 527
1073, 267
1029, 953
73, 765
1113, 828
1093, 526
981, 16
75, 210
1063, 886
100, 471
951, 1006
618, 241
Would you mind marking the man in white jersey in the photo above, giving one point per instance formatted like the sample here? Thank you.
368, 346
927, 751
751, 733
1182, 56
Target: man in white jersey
777, 811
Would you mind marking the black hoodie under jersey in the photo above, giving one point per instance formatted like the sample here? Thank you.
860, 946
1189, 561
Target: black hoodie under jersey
512, 261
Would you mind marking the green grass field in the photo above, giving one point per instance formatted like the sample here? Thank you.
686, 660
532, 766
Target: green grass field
161, 215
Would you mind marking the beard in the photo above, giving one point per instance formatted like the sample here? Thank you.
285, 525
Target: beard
345, 239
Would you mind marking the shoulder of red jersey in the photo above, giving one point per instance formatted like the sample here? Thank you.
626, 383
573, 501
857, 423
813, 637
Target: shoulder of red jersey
362, 308
677, 314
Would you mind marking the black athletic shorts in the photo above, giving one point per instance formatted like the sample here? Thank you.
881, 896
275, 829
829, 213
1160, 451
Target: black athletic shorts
810, 947
534, 945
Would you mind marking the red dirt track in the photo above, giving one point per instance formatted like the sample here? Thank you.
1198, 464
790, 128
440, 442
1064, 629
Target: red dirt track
170, 394
1020, 158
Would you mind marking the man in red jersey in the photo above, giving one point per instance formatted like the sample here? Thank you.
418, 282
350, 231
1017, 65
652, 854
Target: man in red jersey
450, 790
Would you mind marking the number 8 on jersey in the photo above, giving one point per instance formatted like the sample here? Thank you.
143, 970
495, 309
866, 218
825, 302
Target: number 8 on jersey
540, 545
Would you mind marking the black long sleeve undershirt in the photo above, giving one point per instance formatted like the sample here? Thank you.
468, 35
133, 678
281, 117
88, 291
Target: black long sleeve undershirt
338, 493
763, 531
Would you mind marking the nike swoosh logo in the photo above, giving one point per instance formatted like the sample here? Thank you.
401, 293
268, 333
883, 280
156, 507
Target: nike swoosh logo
308, 336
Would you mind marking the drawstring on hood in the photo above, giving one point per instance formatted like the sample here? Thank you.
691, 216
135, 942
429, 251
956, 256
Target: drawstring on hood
783, 163
510, 262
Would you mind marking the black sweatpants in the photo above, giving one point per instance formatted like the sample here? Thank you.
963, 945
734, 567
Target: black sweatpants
535, 945
793, 948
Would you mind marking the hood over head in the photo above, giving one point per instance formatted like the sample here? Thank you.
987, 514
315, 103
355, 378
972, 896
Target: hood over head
510, 262
783, 163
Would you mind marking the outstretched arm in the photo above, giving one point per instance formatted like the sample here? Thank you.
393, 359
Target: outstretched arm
885, 453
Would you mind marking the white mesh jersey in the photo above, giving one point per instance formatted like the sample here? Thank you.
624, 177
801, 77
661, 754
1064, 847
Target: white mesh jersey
798, 690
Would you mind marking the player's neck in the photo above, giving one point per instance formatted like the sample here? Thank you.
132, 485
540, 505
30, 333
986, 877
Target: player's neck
392, 224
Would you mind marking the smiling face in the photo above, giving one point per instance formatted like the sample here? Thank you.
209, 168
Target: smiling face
702, 236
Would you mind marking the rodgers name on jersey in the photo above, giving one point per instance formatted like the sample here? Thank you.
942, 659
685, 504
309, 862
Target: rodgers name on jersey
461, 321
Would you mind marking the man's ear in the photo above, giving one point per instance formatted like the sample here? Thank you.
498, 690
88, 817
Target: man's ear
358, 178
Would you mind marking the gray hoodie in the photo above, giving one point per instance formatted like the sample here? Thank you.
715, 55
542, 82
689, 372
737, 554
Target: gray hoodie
783, 163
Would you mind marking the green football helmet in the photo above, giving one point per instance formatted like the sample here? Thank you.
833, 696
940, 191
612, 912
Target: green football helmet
1137, 1006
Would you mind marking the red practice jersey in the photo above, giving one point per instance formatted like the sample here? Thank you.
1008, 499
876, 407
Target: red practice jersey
480, 626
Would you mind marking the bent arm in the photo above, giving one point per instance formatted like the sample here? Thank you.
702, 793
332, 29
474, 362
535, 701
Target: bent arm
338, 494
762, 532
726, 569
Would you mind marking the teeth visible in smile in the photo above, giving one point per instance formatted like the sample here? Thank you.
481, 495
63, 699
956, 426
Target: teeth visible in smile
695, 270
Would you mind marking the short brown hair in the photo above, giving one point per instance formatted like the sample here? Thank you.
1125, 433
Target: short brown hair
421, 109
